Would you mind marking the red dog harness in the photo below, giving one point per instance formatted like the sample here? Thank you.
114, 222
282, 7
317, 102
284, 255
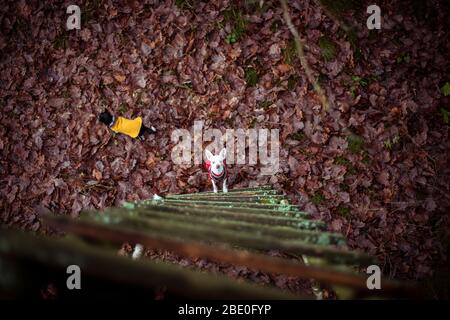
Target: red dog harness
213, 176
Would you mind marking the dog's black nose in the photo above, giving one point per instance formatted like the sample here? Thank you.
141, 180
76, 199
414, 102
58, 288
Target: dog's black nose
217, 166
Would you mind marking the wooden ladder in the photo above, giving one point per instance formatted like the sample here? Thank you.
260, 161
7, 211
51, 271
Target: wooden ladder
237, 227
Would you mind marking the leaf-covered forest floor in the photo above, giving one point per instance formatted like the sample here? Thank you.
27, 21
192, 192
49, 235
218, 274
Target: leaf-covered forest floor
375, 167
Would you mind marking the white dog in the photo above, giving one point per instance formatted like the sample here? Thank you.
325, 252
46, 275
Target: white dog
217, 169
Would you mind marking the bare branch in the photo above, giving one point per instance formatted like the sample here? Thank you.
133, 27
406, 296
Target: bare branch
301, 54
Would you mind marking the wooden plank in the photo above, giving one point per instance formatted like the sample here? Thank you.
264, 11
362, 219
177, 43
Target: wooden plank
236, 215
241, 239
230, 204
292, 213
228, 194
223, 253
246, 189
263, 199
142, 273
281, 232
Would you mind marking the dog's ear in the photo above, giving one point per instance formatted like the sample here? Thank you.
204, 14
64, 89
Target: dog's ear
208, 154
223, 153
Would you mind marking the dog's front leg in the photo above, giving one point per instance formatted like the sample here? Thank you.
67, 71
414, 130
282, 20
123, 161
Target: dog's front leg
214, 186
225, 188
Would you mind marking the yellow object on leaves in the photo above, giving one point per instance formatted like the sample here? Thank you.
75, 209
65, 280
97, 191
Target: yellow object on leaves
128, 127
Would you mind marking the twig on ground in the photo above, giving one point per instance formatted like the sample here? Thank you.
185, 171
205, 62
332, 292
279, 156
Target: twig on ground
301, 54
